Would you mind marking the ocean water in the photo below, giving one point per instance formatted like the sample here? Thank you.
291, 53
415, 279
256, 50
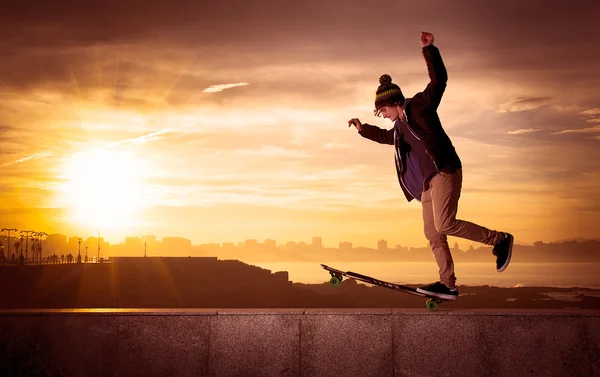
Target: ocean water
562, 275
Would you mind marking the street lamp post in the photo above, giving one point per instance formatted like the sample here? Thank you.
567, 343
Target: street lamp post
38, 253
79, 252
86, 249
20, 256
27, 234
9, 230
42, 234
35, 238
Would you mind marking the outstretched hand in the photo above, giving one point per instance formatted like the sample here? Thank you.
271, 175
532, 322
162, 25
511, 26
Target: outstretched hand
426, 39
356, 123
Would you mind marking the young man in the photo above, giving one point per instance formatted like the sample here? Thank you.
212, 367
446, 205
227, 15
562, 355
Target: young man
429, 169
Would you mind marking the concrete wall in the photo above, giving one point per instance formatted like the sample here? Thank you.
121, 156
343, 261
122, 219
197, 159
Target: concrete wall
298, 343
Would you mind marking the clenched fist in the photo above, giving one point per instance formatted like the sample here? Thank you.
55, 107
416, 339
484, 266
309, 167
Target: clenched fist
356, 123
426, 39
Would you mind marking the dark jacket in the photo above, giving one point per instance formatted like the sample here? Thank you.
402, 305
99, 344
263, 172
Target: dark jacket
423, 120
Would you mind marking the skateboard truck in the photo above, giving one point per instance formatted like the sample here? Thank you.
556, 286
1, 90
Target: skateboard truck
336, 279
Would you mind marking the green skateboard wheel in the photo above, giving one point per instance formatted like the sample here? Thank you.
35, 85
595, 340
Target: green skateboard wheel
334, 281
431, 305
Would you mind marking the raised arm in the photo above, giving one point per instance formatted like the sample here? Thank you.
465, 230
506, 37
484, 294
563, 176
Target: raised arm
374, 133
379, 135
438, 77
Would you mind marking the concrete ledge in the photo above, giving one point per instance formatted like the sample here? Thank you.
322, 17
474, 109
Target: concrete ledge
333, 311
298, 342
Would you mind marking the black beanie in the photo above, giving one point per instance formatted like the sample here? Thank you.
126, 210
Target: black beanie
388, 94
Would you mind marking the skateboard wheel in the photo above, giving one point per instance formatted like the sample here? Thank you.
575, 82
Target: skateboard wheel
334, 281
431, 305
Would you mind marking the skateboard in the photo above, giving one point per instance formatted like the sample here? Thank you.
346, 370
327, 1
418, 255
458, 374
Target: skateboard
338, 275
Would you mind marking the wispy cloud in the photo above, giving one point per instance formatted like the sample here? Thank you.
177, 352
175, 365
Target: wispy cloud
595, 111
523, 104
35, 155
273, 151
221, 87
523, 131
336, 145
141, 139
136, 140
580, 130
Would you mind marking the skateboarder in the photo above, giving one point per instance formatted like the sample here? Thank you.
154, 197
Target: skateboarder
429, 169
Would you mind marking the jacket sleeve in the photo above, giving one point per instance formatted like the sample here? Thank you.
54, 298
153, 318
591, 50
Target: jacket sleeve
379, 135
432, 95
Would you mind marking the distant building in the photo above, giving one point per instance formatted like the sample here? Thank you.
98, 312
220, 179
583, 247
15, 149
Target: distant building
54, 244
149, 240
133, 242
176, 245
270, 243
345, 245
251, 243
73, 245
56, 238
317, 242
382, 245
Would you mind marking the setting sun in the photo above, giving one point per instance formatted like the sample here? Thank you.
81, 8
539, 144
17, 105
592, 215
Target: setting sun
103, 188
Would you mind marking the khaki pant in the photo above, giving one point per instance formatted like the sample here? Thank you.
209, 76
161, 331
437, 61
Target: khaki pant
440, 205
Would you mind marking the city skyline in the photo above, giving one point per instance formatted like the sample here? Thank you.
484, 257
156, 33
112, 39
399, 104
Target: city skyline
314, 241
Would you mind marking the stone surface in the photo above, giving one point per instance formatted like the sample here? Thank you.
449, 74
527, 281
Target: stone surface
439, 345
537, 346
260, 345
75, 346
346, 345
18, 346
299, 342
490, 346
592, 327
162, 345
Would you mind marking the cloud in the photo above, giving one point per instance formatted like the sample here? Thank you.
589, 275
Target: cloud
580, 130
5, 129
35, 155
595, 111
523, 104
141, 139
137, 140
221, 87
523, 131
273, 151
336, 145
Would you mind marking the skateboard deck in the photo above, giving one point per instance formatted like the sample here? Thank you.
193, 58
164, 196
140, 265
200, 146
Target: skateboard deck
337, 276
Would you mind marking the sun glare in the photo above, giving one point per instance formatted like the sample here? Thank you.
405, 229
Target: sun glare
103, 189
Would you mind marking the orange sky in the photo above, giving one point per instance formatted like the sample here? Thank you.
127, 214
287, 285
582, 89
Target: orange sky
227, 123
